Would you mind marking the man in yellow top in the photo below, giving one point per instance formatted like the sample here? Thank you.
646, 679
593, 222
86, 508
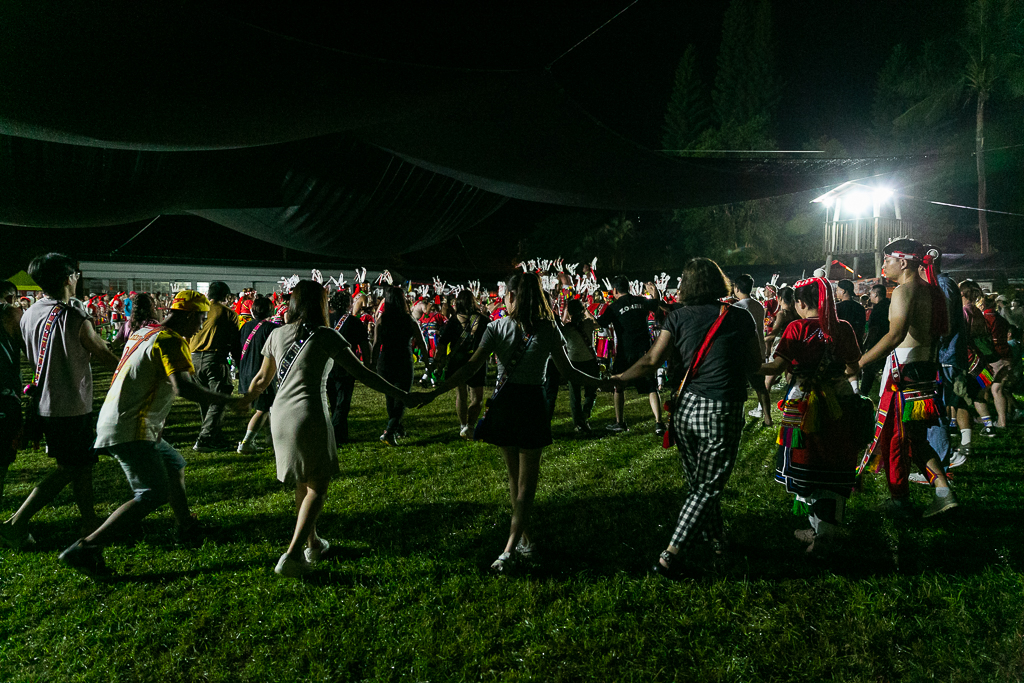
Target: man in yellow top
155, 367
917, 319
210, 347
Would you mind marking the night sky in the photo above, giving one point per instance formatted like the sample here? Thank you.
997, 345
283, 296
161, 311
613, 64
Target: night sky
829, 55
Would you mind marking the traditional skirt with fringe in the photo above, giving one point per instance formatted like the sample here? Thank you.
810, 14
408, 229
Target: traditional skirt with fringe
906, 408
815, 444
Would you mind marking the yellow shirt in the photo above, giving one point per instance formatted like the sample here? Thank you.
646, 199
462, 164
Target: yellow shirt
141, 395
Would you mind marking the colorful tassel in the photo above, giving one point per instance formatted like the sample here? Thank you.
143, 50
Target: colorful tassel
920, 409
790, 437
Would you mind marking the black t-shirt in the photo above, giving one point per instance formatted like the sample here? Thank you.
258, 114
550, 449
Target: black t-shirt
252, 356
722, 375
451, 337
354, 332
878, 323
853, 313
629, 316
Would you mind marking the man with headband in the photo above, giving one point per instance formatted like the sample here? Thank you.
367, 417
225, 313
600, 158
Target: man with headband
917, 319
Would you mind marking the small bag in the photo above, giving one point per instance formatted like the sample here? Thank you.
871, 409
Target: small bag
917, 390
480, 433
919, 402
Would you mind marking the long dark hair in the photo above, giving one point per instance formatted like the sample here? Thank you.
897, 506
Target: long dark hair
465, 303
786, 296
703, 282
307, 305
143, 311
575, 308
531, 303
395, 308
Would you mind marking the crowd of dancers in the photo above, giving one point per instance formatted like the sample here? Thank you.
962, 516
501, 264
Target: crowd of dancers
946, 356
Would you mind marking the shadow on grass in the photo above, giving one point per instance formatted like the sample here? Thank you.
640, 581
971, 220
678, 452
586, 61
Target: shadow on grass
167, 577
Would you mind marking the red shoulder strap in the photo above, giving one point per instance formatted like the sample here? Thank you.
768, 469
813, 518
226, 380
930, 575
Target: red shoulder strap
705, 347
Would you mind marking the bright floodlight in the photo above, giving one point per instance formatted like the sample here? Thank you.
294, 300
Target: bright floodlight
882, 193
858, 202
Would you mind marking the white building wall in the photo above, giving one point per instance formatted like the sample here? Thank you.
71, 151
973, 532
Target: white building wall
101, 276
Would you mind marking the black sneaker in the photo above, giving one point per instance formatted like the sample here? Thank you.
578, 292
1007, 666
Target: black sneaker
584, 429
617, 427
87, 559
389, 438
209, 444
660, 428
990, 431
194, 531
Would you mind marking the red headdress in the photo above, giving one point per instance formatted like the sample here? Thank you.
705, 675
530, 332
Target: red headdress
827, 317
931, 255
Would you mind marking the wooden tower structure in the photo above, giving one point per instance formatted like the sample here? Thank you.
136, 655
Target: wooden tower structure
860, 219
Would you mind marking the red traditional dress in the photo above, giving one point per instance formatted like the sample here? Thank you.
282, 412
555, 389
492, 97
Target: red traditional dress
771, 311
432, 325
816, 451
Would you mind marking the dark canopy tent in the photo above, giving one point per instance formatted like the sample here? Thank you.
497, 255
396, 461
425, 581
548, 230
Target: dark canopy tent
120, 112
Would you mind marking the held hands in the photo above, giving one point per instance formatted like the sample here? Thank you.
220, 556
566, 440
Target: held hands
419, 399
614, 383
241, 403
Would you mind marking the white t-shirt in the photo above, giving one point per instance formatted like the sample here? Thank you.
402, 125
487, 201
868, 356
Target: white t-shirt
141, 395
67, 375
577, 346
502, 337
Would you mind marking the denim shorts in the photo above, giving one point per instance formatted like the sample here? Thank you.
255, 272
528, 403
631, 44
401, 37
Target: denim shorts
148, 466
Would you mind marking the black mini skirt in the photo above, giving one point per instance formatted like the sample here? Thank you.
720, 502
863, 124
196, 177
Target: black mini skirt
518, 418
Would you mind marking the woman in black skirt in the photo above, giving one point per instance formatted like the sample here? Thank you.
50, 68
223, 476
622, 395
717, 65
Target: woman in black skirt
517, 420
394, 336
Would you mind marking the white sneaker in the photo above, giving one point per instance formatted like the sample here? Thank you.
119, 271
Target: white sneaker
918, 478
290, 568
525, 548
958, 458
756, 412
464, 432
246, 447
314, 554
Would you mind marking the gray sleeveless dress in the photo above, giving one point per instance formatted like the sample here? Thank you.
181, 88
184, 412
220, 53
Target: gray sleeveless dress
304, 445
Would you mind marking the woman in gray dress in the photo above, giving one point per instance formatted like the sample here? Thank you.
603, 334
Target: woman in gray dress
300, 354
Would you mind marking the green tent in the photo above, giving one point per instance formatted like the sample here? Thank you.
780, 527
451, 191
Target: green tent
24, 283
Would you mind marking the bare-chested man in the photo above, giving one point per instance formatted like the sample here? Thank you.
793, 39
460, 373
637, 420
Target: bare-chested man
917, 318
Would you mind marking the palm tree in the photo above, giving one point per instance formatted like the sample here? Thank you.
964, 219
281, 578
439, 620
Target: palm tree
991, 44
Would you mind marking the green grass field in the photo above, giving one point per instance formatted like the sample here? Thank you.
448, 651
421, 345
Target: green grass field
405, 594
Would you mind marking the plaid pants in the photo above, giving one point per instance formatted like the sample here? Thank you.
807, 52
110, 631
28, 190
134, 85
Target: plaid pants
708, 433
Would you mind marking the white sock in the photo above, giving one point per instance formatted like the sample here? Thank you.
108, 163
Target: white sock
965, 437
941, 491
249, 436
